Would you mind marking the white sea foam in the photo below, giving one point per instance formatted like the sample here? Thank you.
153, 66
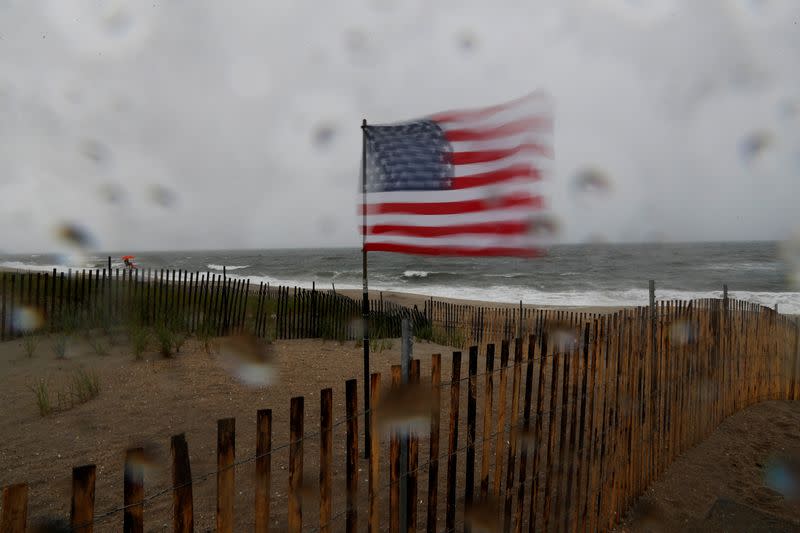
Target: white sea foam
19, 265
415, 274
226, 267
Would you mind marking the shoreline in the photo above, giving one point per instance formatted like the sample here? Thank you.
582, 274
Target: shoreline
410, 299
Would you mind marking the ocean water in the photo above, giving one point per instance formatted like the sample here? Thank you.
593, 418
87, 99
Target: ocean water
597, 274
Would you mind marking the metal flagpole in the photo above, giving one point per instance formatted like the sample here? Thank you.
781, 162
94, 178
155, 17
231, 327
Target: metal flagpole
365, 301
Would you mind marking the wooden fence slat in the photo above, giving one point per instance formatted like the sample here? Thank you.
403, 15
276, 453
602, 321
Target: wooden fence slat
295, 503
351, 401
553, 408
325, 459
452, 446
394, 464
226, 456
573, 427
501, 420
82, 508
133, 491
433, 455
413, 461
472, 406
14, 518
514, 432
488, 389
525, 435
263, 469
374, 455
182, 503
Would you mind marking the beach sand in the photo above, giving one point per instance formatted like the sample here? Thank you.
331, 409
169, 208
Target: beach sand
144, 402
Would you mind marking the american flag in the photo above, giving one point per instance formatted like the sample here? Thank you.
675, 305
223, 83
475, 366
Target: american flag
464, 183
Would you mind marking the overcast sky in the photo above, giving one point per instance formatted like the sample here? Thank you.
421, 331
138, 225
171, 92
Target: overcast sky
201, 124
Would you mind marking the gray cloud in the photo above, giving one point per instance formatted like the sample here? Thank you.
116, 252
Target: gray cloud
249, 113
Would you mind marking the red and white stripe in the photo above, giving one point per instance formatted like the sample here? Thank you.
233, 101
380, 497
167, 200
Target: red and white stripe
500, 155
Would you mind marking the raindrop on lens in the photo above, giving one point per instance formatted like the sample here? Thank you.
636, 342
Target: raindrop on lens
323, 135
405, 409
162, 196
592, 181
50, 524
682, 332
483, 516
248, 359
74, 235
26, 319
755, 144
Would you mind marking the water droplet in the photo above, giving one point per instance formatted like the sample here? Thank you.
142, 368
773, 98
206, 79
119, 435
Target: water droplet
50, 524
95, 150
323, 135
483, 515
543, 226
790, 253
111, 193
405, 409
755, 144
27, 319
592, 181
649, 515
74, 235
467, 41
147, 458
683, 332
563, 336
248, 359
162, 196
355, 40
782, 475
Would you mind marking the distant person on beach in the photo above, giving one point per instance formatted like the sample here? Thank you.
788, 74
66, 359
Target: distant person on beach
128, 259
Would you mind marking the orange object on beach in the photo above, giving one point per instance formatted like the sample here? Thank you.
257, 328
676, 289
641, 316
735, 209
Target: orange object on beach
128, 257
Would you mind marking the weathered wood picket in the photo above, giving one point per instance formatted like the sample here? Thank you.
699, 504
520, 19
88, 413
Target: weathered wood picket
604, 405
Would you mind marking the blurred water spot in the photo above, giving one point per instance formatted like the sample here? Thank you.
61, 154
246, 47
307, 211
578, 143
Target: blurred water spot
355, 39
327, 224
74, 235
596, 238
146, 459
356, 326
483, 516
592, 181
50, 524
643, 12
649, 516
405, 409
782, 475
95, 150
162, 196
788, 109
248, 359
754, 144
562, 335
26, 319
683, 332
467, 41
323, 135
309, 489
543, 226
111, 193
790, 253
111, 27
